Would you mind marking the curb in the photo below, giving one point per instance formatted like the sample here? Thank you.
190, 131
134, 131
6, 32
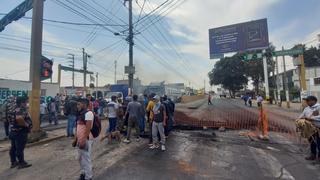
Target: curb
38, 143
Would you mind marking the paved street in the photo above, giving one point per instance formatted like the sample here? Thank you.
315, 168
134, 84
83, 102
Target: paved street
199, 155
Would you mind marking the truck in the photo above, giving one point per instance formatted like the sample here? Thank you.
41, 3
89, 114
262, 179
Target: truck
119, 90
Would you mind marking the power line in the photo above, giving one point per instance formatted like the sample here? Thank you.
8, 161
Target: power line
73, 23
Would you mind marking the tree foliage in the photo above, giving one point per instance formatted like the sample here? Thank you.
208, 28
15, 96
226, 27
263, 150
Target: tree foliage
230, 73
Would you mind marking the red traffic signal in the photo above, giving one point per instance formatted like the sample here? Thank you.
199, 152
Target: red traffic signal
46, 68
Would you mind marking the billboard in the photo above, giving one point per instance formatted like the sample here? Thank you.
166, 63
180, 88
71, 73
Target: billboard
238, 37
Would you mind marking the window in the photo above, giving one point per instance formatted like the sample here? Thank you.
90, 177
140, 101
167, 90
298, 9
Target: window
317, 81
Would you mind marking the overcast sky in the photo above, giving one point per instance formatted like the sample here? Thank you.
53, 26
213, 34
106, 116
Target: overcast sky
174, 49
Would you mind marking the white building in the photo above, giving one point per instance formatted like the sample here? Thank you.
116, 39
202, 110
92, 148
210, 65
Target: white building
312, 79
19, 88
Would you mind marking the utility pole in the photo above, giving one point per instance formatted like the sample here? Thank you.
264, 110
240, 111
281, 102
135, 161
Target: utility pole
266, 77
35, 61
115, 72
277, 83
130, 39
286, 88
85, 60
97, 76
204, 86
72, 65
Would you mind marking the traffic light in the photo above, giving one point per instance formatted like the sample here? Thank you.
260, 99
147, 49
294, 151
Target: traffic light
46, 68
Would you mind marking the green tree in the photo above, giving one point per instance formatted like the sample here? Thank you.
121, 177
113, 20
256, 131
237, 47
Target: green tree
230, 73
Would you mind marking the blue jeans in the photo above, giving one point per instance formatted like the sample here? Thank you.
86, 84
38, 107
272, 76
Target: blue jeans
71, 124
112, 125
142, 124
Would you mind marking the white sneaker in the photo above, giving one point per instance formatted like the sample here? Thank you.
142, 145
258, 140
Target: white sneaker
126, 141
138, 139
163, 148
154, 147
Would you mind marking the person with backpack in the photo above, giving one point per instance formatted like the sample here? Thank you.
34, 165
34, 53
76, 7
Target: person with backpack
20, 126
88, 128
112, 115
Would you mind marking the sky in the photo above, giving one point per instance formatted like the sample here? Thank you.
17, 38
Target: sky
172, 49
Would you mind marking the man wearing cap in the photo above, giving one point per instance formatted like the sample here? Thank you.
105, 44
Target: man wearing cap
310, 116
158, 124
20, 126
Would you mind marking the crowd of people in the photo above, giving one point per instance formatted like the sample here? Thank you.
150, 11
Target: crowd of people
247, 98
150, 116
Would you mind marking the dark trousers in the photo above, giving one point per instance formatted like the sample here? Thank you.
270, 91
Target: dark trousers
315, 144
18, 143
6, 127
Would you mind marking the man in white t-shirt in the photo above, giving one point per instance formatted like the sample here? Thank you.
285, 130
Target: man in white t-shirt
112, 113
84, 138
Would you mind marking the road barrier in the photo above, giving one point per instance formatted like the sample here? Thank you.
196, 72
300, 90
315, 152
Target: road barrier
259, 121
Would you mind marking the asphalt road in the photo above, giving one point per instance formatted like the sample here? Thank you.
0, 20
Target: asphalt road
197, 155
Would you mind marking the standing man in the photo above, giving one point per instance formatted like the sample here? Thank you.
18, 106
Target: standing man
84, 138
20, 126
43, 110
135, 110
71, 111
53, 112
311, 115
169, 115
112, 113
150, 116
142, 120
159, 121
57, 100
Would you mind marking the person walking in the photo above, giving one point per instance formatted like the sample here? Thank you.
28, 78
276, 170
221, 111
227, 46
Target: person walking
20, 126
53, 112
209, 99
159, 121
259, 100
134, 110
71, 112
85, 120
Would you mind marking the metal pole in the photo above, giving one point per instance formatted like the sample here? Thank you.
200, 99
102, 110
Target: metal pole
277, 82
72, 65
266, 80
286, 88
84, 54
303, 74
35, 60
115, 72
130, 39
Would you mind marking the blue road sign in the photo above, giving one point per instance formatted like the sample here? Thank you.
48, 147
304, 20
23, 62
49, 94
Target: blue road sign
16, 13
239, 37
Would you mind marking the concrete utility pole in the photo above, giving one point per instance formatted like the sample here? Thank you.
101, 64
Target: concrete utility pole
72, 65
85, 60
266, 77
115, 72
286, 88
35, 61
130, 40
